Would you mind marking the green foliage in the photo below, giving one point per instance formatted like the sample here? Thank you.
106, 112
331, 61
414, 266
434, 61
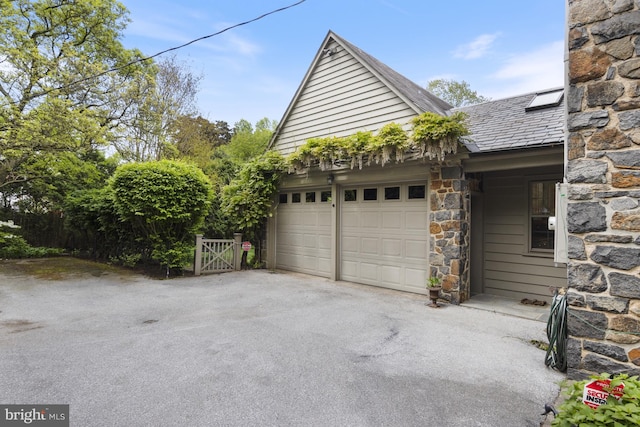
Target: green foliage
433, 282
246, 202
623, 412
432, 136
96, 227
48, 103
165, 202
390, 143
436, 135
247, 143
14, 246
458, 94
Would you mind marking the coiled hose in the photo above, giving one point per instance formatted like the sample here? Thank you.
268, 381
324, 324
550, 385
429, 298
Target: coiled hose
556, 357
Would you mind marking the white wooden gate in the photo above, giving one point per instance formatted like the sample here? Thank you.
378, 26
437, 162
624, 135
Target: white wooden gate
217, 255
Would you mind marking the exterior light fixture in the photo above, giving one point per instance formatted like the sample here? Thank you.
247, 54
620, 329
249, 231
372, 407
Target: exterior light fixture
330, 179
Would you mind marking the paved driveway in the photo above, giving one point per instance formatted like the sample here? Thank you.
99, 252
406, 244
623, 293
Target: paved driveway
259, 349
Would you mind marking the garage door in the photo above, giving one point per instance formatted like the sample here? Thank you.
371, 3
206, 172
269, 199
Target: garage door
303, 239
384, 235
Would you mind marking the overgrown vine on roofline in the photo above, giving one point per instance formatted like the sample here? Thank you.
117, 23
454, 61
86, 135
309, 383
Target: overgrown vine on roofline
432, 136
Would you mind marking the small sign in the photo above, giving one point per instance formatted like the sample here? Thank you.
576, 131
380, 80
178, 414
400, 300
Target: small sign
597, 391
246, 246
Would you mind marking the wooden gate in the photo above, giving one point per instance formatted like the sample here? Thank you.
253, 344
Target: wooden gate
217, 255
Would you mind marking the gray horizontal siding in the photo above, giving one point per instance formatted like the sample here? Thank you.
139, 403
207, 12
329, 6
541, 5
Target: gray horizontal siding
340, 98
508, 269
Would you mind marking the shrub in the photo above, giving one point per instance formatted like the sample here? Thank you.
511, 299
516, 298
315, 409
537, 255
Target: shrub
623, 412
165, 203
13, 246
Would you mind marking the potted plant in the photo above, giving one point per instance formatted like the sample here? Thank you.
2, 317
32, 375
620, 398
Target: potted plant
434, 287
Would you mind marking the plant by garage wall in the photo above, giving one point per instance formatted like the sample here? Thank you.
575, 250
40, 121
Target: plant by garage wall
432, 136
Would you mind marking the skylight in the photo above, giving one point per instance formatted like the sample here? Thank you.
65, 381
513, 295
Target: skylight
545, 99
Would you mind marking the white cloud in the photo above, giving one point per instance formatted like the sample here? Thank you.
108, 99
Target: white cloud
539, 69
242, 46
478, 48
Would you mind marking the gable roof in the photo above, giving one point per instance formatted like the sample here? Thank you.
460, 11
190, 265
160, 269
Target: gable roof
508, 124
422, 98
409, 99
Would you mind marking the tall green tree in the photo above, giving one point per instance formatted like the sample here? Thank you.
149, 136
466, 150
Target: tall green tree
458, 94
247, 143
197, 139
55, 92
168, 94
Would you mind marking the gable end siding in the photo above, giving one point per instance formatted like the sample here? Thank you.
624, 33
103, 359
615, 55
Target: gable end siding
340, 98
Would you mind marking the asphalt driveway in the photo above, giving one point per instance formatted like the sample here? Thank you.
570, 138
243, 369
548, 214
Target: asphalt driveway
257, 348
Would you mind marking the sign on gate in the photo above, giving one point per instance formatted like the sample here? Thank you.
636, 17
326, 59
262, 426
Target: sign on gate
597, 391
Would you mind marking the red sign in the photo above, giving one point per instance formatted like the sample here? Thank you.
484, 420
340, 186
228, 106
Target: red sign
597, 391
246, 246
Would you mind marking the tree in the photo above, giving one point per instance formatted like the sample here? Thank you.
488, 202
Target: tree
247, 201
246, 143
56, 94
458, 94
159, 103
165, 202
196, 139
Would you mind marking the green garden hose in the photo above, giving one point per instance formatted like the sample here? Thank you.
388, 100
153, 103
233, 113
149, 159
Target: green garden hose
556, 357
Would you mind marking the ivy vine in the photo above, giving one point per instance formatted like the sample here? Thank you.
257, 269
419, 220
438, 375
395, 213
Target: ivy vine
432, 136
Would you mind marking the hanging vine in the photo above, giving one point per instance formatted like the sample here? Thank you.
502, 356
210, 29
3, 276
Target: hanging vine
436, 136
433, 137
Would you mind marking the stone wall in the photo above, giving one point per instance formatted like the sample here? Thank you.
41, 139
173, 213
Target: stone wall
449, 229
603, 171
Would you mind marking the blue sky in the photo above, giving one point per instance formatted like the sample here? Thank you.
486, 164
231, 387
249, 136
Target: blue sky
500, 47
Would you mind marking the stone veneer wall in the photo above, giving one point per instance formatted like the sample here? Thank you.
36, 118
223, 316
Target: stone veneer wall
603, 171
449, 230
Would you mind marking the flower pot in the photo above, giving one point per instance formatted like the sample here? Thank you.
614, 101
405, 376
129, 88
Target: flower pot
434, 294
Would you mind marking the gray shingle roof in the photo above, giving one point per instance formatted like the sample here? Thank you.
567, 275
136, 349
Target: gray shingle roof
505, 125
419, 96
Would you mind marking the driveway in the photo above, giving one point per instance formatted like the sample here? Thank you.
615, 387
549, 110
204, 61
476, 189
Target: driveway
256, 348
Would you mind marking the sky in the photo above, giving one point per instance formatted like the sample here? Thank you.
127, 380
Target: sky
501, 48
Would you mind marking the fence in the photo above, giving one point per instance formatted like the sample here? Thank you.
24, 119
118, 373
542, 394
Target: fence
217, 255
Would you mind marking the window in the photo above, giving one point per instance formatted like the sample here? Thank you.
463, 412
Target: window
417, 192
325, 196
310, 197
283, 197
295, 198
350, 195
392, 193
542, 205
545, 99
370, 194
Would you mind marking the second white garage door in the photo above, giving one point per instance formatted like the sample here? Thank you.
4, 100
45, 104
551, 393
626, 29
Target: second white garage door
384, 236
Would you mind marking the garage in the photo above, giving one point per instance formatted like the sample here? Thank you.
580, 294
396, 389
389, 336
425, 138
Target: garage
384, 239
382, 236
303, 242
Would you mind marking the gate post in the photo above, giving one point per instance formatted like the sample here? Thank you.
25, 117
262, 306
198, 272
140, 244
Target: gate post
237, 251
197, 262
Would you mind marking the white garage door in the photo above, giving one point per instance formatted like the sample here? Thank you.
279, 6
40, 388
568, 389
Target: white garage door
384, 236
303, 240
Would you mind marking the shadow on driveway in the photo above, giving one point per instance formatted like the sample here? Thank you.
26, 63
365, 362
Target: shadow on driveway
259, 348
